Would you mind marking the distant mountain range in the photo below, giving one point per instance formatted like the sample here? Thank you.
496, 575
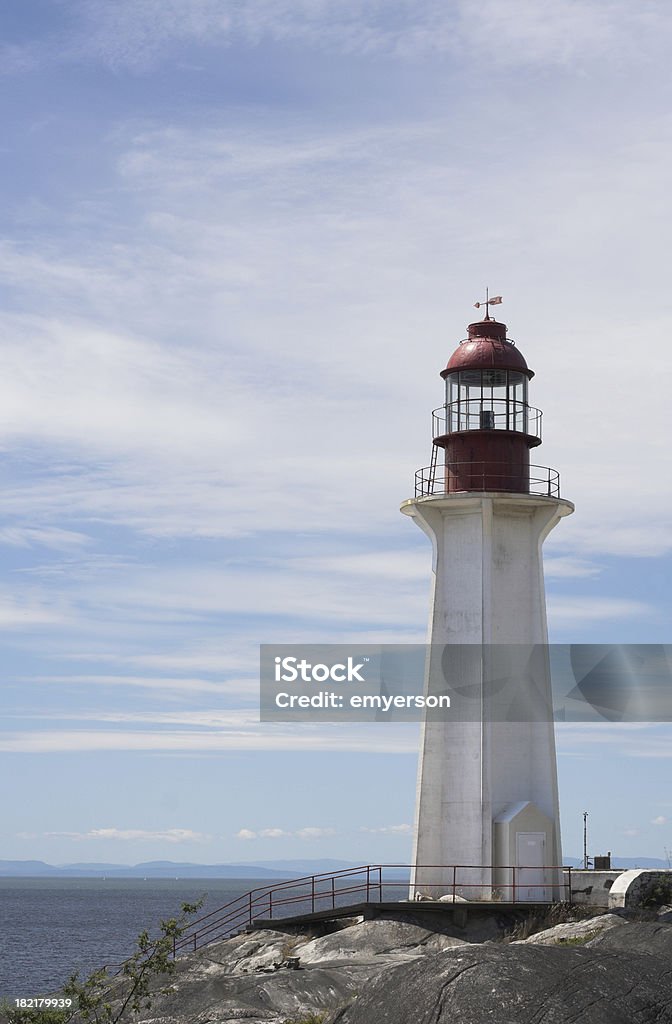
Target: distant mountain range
170, 869
250, 869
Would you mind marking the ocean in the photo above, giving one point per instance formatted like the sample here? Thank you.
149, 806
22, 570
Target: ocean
52, 927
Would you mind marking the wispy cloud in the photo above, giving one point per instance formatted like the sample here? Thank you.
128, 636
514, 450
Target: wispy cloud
48, 537
580, 609
245, 834
628, 739
213, 719
384, 741
309, 832
26, 612
278, 591
393, 564
162, 684
388, 830
510, 32
170, 835
165, 440
569, 567
516, 32
315, 832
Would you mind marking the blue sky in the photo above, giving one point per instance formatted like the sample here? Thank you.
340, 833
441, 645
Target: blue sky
238, 243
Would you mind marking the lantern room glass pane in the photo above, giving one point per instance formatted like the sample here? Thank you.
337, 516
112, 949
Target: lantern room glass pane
486, 399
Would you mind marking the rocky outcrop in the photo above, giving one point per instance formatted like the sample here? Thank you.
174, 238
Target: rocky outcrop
249, 978
405, 969
619, 977
242, 979
575, 933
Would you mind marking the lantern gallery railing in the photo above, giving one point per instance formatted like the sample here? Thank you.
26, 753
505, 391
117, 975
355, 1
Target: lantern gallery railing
460, 477
487, 414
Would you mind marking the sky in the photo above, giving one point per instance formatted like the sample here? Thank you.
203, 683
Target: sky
238, 243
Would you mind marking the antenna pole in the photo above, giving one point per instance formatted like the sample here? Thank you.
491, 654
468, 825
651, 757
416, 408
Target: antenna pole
585, 839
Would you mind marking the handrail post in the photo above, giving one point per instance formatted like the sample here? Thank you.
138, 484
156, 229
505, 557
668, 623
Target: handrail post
569, 885
333, 893
270, 905
312, 892
454, 880
249, 913
368, 881
513, 875
380, 882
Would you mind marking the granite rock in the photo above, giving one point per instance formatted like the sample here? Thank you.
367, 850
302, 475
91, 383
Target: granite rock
622, 977
574, 932
413, 969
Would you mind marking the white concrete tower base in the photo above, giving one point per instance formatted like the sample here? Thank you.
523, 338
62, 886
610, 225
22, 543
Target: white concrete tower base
487, 790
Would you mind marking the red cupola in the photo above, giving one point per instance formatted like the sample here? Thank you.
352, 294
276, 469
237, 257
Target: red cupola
487, 348
484, 431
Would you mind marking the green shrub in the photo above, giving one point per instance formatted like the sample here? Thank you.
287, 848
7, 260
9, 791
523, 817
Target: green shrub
579, 940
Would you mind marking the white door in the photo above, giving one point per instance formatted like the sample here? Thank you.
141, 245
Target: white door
530, 874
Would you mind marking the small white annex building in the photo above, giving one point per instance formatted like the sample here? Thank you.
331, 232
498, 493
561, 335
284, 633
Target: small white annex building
487, 802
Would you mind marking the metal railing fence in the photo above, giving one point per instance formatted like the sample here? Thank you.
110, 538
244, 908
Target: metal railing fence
440, 479
487, 414
378, 883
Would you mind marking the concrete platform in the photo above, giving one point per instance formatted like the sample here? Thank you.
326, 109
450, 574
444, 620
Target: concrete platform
456, 913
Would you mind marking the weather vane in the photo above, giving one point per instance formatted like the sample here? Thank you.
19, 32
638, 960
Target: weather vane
494, 301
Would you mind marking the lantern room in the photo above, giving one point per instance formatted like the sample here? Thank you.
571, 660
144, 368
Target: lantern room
486, 383
483, 433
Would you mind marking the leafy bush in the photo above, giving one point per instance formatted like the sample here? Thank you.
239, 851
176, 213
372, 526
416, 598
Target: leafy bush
579, 940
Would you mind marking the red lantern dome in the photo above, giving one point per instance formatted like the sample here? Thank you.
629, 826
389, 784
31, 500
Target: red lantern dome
487, 347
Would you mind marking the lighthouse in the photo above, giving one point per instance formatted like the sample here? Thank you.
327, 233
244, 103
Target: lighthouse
487, 820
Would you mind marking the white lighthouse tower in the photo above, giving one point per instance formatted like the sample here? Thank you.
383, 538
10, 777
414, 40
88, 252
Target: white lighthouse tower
487, 821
